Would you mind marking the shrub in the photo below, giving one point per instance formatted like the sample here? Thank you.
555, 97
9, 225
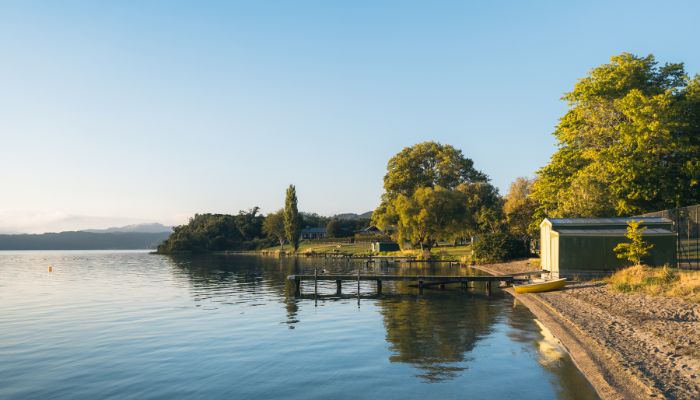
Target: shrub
497, 247
637, 248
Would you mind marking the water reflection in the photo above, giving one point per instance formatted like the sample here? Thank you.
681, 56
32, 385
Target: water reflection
435, 333
114, 325
550, 353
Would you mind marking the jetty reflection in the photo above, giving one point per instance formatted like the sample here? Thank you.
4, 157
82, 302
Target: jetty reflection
435, 332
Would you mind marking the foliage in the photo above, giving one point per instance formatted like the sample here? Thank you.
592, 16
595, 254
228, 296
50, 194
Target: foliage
292, 219
429, 214
340, 228
498, 246
432, 192
273, 226
333, 228
428, 164
658, 281
519, 209
313, 220
217, 232
484, 208
637, 248
629, 143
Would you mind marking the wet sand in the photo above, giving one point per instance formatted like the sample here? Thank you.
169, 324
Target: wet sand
629, 346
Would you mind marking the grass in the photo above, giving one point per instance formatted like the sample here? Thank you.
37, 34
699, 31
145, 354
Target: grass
312, 247
669, 282
306, 247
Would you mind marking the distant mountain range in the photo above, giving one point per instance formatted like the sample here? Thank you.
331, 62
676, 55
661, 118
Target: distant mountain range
140, 236
353, 216
143, 228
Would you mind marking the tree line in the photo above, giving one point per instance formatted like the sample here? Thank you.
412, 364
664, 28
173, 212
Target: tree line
628, 144
250, 230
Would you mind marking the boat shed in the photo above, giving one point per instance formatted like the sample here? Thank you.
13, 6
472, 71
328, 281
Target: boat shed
385, 246
584, 246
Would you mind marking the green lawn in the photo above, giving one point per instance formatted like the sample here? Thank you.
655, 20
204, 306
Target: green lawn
457, 253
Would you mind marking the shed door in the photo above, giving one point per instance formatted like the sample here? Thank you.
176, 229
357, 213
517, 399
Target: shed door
554, 254
544, 248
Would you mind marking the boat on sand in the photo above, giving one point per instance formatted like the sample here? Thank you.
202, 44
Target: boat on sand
542, 286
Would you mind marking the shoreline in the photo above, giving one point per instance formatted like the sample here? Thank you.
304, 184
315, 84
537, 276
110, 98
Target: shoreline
628, 346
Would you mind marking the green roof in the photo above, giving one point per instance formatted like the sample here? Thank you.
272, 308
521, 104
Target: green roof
611, 232
607, 221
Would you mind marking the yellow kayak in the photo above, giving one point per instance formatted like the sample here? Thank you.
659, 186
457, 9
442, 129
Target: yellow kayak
538, 287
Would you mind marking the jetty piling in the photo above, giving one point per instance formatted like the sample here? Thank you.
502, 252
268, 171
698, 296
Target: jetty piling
421, 280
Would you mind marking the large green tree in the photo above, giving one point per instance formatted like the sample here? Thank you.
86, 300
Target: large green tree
484, 206
292, 219
432, 192
429, 214
273, 226
428, 164
629, 143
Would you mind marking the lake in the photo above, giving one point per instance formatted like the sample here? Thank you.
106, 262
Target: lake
119, 325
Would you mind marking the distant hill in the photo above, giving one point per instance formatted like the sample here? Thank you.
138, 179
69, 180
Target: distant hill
83, 240
353, 216
143, 228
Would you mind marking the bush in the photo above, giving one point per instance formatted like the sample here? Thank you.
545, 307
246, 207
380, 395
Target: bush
498, 247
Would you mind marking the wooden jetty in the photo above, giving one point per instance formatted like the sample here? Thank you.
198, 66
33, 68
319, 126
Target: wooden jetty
422, 281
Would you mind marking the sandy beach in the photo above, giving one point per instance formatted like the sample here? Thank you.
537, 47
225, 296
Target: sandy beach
629, 346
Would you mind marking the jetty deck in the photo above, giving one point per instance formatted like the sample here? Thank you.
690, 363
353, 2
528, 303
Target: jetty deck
421, 281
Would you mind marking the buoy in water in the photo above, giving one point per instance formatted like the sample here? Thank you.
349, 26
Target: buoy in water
50, 268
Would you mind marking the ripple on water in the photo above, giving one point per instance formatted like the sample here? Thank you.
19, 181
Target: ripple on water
135, 325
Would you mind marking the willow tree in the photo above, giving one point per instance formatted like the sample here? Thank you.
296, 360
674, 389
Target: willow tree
629, 143
292, 219
432, 191
428, 215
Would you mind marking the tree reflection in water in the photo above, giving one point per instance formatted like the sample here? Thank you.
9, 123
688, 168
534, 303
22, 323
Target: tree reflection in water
436, 332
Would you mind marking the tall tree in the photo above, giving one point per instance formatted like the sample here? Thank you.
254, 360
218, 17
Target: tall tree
484, 206
629, 143
429, 214
519, 209
424, 165
273, 226
429, 164
292, 219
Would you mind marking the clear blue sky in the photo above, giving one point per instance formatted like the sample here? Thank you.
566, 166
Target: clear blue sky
151, 111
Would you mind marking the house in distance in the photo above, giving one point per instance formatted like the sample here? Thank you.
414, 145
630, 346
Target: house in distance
313, 233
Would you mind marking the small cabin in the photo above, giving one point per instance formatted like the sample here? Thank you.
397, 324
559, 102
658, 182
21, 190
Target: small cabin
584, 246
313, 233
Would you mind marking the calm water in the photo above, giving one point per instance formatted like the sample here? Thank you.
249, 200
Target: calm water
133, 325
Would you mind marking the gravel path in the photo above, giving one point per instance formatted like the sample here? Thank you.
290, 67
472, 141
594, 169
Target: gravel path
629, 345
